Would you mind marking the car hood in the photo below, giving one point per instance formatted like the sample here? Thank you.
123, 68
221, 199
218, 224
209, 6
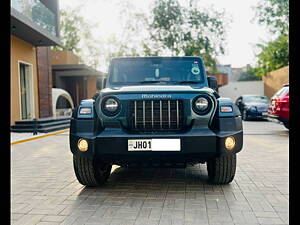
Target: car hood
154, 89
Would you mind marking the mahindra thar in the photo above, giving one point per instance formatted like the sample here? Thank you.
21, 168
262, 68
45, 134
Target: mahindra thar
155, 112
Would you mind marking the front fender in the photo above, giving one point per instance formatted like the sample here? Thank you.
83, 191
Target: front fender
87, 123
227, 121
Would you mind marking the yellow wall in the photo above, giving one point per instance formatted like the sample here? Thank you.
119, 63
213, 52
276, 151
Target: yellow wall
64, 57
21, 51
274, 81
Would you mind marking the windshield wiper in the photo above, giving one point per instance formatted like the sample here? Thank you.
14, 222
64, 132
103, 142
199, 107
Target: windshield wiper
188, 82
150, 81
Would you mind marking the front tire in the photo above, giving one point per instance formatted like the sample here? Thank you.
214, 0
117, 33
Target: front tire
222, 170
89, 172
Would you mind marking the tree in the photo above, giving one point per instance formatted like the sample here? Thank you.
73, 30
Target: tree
273, 55
70, 24
187, 30
76, 36
249, 74
274, 14
133, 38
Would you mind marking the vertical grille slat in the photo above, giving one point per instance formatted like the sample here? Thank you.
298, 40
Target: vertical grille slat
160, 113
169, 114
152, 119
177, 114
144, 116
135, 114
156, 115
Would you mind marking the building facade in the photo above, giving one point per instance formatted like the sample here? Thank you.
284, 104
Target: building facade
34, 27
235, 89
79, 80
225, 69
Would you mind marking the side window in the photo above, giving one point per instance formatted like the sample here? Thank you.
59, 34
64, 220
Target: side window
281, 92
284, 91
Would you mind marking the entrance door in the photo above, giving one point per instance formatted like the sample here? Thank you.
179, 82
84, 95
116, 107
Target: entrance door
76, 86
26, 90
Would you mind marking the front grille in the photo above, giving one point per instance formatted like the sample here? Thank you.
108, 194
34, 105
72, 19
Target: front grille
156, 115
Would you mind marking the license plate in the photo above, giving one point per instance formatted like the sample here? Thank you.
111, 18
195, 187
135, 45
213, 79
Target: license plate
264, 113
154, 145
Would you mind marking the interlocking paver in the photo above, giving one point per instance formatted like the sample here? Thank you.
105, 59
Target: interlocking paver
122, 222
44, 189
53, 218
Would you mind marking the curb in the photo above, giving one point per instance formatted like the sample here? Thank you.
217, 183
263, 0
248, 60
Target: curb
42, 136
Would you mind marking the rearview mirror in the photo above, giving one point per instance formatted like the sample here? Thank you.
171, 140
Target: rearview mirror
212, 82
101, 83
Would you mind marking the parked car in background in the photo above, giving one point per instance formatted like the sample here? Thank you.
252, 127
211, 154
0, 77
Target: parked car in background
253, 106
279, 107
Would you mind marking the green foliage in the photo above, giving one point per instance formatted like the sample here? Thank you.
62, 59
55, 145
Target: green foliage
274, 14
169, 29
70, 25
76, 36
249, 74
133, 39
188, 30
273, 55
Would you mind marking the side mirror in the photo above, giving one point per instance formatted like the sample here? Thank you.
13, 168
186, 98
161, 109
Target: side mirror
101, 83
212, 82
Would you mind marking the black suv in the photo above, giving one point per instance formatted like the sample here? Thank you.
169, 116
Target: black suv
155, 112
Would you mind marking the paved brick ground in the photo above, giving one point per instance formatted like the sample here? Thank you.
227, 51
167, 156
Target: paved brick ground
45, 190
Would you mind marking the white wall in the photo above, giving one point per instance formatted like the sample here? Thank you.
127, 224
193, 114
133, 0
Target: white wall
235, 89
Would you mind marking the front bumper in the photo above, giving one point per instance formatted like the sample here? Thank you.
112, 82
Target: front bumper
257, 115
281, 119
197, 145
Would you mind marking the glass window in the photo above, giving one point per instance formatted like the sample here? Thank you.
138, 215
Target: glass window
153, 70
253, 98
37, 12
281, 92
25, 89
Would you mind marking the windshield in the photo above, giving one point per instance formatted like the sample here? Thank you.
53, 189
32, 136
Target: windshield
260, 99
281, 92
156, 70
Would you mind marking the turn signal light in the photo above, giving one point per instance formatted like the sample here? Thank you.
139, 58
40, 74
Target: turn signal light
226, 109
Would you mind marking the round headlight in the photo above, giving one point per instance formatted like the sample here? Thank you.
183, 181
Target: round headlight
110, 106
202, 105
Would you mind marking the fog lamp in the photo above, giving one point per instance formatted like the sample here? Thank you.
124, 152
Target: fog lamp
82, 145
229, 143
